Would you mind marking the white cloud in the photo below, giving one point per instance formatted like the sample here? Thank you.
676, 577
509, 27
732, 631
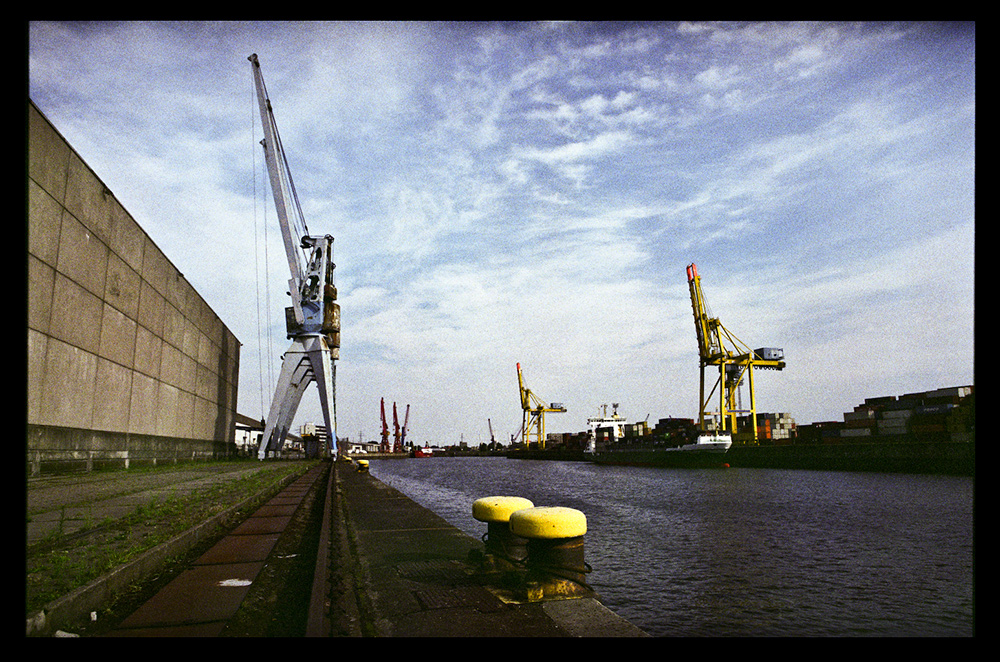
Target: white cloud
533, 192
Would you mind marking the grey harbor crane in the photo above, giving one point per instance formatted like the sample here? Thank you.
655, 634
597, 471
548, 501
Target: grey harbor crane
312, 322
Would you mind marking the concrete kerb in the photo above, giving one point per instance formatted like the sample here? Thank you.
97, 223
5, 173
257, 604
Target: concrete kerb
587, 617
77, 604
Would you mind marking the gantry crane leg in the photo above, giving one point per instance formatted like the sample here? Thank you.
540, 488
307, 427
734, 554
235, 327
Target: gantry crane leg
307, 360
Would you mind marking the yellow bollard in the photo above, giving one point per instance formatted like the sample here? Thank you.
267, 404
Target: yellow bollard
555, 561
503, 550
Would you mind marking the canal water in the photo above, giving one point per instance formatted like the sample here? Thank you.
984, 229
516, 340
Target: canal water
742, 552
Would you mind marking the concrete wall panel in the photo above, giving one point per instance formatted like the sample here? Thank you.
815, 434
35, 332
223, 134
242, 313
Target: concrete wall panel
152, 309
76, 315
114, 384
82, 256
49, 158
37, 347
143, 404
68, 387
44, 224
125, 358
88, 199
127, 237
121, 287
156, 269
41, 283
118, 337
189, 375
148, 352
167, 410
173, 325
191, 338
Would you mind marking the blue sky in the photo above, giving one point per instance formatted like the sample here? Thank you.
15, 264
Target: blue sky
532, 192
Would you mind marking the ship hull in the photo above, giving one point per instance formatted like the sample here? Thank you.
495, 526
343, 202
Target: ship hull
663, 457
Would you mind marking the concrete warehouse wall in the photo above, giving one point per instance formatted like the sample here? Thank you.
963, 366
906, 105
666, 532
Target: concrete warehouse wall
126, 362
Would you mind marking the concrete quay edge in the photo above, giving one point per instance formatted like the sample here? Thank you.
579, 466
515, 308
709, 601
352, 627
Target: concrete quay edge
405, 557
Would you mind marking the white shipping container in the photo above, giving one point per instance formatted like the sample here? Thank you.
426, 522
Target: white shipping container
960, 391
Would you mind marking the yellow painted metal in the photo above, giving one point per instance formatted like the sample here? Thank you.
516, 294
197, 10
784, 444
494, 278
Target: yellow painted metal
548, 523
498, 508
718, 347
533, 413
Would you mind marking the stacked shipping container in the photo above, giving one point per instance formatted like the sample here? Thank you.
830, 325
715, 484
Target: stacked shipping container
771, 428
920, 415
914, 416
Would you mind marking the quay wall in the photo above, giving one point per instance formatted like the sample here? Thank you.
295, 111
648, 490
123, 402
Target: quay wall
126, 361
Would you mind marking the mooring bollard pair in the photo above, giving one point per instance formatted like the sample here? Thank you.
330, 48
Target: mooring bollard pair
546, 541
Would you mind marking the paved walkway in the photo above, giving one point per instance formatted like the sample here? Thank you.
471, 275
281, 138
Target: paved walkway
413, 576
66, 504
205, 597
395, 569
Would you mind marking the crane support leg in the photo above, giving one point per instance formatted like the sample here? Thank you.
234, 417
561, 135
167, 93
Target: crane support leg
308, 360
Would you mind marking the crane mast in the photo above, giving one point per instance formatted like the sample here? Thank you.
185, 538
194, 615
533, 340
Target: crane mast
719, 348
312, 322
533, 413
402, 437
384, 447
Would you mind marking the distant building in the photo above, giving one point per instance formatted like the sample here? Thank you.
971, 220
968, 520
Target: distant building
247, 435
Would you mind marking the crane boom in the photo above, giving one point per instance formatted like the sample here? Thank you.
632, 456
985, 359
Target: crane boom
312, 322
402, 436
395, 425
734, 359
280, 177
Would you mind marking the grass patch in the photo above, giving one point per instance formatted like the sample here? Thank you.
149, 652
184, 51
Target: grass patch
60, 565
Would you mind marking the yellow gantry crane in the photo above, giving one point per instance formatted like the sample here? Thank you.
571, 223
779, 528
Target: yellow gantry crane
734, 359
533, 413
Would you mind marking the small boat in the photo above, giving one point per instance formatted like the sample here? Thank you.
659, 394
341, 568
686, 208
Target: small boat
427, 451
709, 442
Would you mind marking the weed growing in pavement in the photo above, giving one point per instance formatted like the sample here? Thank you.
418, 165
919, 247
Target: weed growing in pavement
60, 563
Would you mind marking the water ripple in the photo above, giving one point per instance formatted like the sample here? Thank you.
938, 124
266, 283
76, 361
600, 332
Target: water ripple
742, 552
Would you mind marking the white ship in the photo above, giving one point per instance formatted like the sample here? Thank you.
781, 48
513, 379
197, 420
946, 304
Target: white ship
709, 442
614, 422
